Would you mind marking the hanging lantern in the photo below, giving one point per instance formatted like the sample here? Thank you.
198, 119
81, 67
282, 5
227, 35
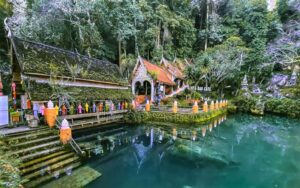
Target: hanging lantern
71, 111
212, 105
100, 107
63, 110
28, 104
94, 108
13, 86
36, 110
123, 105
65, 132
42, 109
86, 107
14, 94
147, 106
203, 131
56, 109
50, 114
126, 105
175, 109
205, 107
195, 107
133, 104
79, 109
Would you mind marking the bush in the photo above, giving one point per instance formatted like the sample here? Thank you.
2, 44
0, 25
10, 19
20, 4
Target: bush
140, 117
9, 173
287, 107
244, 103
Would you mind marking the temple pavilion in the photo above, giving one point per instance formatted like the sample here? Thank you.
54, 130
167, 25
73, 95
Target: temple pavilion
41, 72
150, 80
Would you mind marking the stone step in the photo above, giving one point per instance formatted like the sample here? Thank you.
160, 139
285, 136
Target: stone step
51, 161
41, 159
31, 136
46, 178
80, 177
51, 168
35, 148
36, 141
26, 131
41, 153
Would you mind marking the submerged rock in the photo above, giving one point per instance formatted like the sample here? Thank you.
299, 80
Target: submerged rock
198, 155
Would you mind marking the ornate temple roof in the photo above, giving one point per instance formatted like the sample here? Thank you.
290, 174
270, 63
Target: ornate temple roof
162, 75
172, 68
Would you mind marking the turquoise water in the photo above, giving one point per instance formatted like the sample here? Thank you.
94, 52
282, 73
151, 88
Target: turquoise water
241, 151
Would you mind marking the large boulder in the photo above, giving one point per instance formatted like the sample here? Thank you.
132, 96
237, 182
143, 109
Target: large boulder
279, 80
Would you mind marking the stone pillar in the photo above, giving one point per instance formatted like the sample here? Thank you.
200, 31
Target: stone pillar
152, 90
133, 88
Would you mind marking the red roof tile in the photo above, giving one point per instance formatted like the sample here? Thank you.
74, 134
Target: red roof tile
162, 75
173, 69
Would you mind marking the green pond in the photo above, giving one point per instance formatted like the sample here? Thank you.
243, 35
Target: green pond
233, 151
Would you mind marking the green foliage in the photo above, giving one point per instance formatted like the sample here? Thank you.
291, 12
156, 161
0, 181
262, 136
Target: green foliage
218, 65
244, 103
285, 11
9, 173
289, 107
291, 92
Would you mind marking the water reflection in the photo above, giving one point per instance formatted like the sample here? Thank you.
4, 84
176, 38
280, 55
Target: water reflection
146, 142
215, 154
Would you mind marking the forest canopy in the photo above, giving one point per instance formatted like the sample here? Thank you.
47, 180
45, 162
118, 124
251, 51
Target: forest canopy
257, 37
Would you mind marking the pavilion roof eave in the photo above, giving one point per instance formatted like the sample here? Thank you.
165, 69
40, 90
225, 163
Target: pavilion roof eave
166, 83
77, 79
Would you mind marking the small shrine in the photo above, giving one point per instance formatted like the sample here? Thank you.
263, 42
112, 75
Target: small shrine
153, 82
256, 90
293, 80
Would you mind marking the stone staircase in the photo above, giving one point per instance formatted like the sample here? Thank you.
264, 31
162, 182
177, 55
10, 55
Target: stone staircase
177, 91
43, 157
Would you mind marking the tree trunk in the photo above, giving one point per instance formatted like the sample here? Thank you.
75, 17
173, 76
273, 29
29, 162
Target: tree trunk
206, 28
158, 36
120, 51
